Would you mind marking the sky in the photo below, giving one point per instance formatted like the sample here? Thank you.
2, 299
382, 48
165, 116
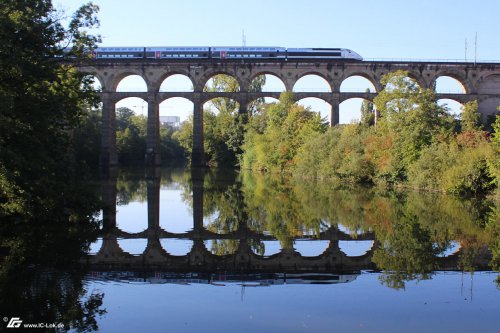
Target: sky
383, 29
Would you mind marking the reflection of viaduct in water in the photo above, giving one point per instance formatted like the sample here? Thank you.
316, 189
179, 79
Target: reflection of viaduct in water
112, 257
480, 82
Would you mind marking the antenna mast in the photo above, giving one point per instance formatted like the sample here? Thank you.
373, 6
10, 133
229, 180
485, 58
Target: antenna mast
243, 38
475, 49
465, 49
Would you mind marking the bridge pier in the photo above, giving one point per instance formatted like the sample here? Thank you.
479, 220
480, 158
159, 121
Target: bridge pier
198, 153
153, 155
335, 112
108, 155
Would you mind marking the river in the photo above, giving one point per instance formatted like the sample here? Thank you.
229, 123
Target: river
194, 250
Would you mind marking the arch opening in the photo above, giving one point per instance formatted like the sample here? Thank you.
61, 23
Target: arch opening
312, 83
175, 214
221, 104
267, 248
355, 248
93, 81
138, 105
177, 83
222, 83
221, 247
134, 246
267, 83
176, 246
449, 85
357, 83
350, 110
452, 107
175, 110
132, 83
317, 105
131, 210
311, 248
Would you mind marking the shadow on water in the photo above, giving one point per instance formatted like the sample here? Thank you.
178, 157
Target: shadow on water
221, 227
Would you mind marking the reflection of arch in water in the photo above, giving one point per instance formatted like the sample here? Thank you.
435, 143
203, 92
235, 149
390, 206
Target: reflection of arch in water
356, 248
311, 248
133, 246
176, 247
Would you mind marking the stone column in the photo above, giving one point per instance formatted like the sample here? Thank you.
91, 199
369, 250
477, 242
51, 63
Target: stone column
108, 155
108, 195
198, 153
153, 156
335, 110
153, 188
198, 179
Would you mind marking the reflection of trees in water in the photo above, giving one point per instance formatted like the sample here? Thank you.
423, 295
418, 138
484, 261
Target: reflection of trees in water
51, 296
412, 229
40, 276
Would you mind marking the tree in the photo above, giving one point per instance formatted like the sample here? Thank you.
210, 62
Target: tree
367, 112
288, 127
412, 117
471, 118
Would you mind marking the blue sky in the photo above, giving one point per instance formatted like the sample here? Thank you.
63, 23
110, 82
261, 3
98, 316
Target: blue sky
424, 29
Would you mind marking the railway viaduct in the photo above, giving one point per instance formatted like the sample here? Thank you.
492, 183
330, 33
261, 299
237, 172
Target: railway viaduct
480, 81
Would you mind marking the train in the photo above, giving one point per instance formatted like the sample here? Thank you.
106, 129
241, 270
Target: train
226, 52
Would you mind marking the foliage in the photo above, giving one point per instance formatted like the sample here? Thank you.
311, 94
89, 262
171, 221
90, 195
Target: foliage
367, 112
131, 138
412, 116
287, 127
471, 118
223, 123
41, 100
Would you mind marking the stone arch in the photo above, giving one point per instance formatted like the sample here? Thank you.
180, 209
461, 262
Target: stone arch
177, 79
270, 86
489, 85
130, 82
209, 76
448, 80
350, 110
359, 76
312, 78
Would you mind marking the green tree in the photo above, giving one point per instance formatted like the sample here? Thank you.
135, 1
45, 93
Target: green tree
41, 99
471, 118
367, 112
288, 127
412, 117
